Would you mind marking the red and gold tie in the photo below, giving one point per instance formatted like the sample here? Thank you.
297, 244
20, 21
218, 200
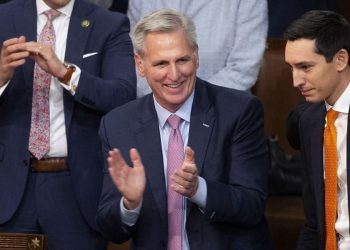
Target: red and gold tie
331, 165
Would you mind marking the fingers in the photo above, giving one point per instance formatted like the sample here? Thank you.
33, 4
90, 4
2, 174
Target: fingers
15, 40
36, 49
115, 159
135, 158
185, 187
12, 55
116, 164
185, 180
189, 155
14, 45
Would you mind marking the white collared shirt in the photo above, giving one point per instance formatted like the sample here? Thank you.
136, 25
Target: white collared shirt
58, 138
342, 223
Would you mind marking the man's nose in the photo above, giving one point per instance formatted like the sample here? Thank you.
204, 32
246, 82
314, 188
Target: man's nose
173, 73
298, 80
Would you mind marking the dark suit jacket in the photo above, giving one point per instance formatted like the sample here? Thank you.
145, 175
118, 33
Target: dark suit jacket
311, 129
293, 124
226, 133
107, 80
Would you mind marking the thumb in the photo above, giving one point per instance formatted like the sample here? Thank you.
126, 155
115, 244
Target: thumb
189, 155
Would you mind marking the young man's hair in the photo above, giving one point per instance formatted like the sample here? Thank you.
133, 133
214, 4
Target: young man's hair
330, 31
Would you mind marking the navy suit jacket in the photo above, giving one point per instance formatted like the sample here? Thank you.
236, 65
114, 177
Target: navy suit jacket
311, 127
226, 134
107, 80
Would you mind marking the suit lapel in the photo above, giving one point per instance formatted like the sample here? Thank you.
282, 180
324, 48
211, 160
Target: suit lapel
78, 33
202, 121
25, 24
316, 144
149, 146
77, 38
201, 126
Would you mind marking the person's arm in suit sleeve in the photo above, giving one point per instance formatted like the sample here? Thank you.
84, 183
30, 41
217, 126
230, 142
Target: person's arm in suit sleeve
116, 84
243, 63
293, 124
241, 201
308, 237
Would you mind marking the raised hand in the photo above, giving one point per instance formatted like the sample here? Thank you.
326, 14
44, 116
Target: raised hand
130, 181
185, 180
45, 56
13, 54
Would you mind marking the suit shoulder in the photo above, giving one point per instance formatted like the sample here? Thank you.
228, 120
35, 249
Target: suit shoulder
311, 111
128, 111
8, 9
106, 21
227, 96
108, 15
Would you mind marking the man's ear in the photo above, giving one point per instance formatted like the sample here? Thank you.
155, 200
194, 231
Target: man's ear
197, 58
342, 59
139, 65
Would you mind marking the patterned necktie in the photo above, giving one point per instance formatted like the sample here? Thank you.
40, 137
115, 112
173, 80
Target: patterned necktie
330, 159
39, 138
175, 201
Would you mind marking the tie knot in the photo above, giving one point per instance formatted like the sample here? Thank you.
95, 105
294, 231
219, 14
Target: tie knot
174, 121
331, 116
51, 14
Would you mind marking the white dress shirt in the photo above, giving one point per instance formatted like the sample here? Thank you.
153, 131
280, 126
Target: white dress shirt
342, 223
129, 217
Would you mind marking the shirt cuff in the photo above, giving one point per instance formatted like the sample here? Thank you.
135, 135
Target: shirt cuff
129, 217
200, 197
72, 85
3, 87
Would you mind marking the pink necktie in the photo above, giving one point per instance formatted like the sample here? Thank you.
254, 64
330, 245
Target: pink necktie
39, 138
175, 201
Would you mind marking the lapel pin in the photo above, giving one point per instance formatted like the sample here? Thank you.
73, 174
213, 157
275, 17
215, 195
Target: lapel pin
85, 23
205, 125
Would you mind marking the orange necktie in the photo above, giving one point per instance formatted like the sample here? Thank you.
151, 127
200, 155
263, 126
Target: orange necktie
331, 159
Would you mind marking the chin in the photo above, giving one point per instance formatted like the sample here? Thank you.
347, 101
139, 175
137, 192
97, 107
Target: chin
313, 99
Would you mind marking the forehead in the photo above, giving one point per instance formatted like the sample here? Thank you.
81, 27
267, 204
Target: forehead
165, 41
301, 50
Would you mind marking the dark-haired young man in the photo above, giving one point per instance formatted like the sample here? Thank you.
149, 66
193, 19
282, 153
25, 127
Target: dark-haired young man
318, 52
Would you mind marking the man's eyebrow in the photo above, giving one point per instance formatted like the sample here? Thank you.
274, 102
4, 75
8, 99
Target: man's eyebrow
158, 62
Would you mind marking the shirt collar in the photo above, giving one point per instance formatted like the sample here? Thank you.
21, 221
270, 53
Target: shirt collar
343, 103
41, 7
184, 112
